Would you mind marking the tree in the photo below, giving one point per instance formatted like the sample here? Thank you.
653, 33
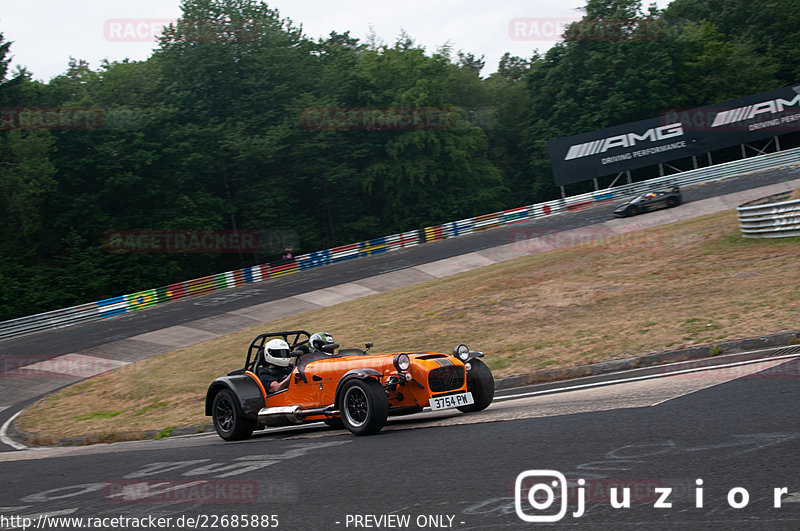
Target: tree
26, 181
769, 30
512, 68
470, 62
714, 68
616, 65
8, 86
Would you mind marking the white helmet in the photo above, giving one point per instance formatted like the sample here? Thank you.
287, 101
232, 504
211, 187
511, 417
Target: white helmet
276, 352
318, 340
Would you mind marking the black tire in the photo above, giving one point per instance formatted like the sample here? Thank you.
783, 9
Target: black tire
363, 406
480, 383
334, 422
673, 202
229, 421
632, 211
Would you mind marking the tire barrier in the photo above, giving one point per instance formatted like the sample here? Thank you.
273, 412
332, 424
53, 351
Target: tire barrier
145, 299
770, 217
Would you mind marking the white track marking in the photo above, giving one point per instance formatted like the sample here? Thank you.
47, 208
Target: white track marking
5, 439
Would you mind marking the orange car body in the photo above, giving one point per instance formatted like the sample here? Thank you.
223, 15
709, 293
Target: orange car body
322, 378
318, 380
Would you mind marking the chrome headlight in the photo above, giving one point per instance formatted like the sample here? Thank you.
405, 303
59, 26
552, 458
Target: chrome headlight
461, 352
402, 362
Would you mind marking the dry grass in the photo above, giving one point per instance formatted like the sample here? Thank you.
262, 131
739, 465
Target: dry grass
795, 195
688, 283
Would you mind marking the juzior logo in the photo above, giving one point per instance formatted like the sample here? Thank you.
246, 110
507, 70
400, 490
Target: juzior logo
628, 140
742, 114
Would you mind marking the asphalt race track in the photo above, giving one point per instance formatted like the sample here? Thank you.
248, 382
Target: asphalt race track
734, 428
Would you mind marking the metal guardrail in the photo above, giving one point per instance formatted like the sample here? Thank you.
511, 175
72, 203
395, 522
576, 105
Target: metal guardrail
702, 175
770, 217
49, 320
95, 311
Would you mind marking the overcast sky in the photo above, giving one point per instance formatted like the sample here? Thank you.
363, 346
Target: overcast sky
46, 33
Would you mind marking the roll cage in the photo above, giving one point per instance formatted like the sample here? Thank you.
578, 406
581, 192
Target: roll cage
296, 339
298, 346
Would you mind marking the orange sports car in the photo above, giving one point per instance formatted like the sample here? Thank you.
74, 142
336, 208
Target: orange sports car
294, 378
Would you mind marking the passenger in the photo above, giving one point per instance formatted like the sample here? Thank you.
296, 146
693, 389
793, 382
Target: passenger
276, 373
319, 340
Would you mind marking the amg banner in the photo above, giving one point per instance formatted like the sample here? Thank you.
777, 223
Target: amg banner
676, 134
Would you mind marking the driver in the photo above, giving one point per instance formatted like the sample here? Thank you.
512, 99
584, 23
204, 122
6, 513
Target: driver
275, 375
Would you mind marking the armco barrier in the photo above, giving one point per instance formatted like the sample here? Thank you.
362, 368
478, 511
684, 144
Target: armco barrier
770, 217
579, 202
144, 299
199, 286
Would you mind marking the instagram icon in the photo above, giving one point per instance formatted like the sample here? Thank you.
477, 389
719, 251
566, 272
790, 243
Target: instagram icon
538, 491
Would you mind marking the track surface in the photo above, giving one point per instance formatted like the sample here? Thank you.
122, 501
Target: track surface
730, 427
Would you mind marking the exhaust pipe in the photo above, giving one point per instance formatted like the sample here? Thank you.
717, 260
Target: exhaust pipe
280, 416
288, 415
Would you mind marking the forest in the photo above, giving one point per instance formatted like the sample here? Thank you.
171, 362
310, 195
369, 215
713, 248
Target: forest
240, 122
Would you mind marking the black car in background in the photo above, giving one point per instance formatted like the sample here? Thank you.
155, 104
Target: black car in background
650, 201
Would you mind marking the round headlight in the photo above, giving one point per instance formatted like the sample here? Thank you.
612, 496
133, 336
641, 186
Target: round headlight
461, 352
402, 362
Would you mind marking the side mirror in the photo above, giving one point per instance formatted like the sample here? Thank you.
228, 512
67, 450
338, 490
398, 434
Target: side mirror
369, 344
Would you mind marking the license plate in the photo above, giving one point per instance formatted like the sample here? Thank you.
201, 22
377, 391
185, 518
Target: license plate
450, 401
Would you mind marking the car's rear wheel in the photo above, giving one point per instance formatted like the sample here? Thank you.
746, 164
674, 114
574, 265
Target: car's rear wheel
480, 383
363, 406
229, 421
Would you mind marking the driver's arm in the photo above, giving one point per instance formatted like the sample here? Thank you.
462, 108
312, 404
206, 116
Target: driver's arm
275, 386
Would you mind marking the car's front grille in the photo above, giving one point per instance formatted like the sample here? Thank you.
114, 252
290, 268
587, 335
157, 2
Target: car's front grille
446, 378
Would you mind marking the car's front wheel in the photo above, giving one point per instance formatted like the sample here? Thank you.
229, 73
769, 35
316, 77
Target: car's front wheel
363, 406
480, 383
632, 211
229, 421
